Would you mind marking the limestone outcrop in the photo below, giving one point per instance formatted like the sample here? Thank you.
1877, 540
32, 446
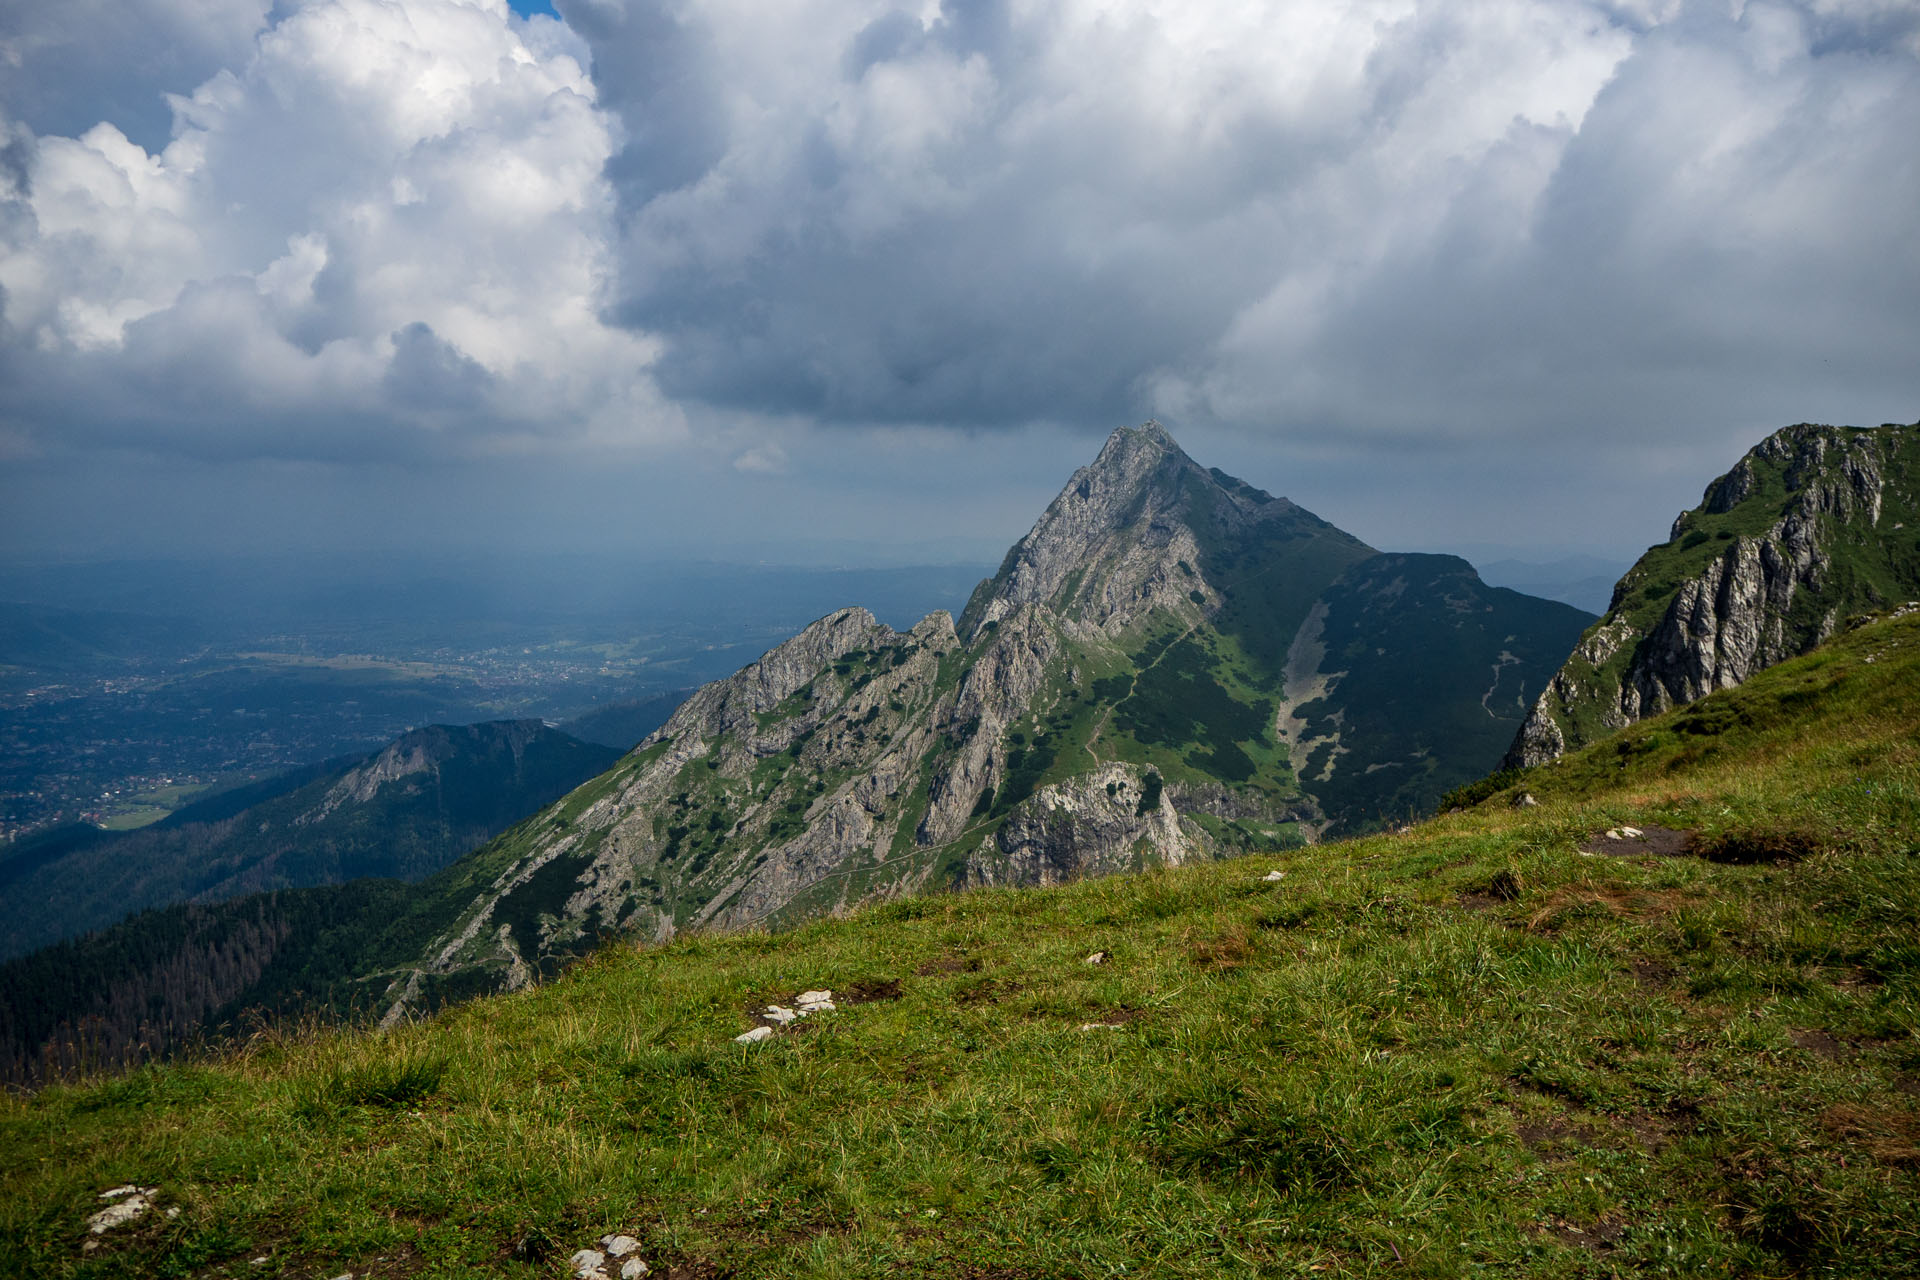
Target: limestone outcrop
1813, 525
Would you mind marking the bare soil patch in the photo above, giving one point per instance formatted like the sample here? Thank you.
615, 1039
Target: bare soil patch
1652, 842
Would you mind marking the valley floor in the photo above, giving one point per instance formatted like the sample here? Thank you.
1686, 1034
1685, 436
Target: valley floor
1499, 1043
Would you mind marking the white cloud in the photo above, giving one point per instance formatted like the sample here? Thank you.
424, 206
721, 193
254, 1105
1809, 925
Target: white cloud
399, 226
384, 191
1404, 216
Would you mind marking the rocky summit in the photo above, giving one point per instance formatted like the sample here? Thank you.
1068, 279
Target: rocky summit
1172, 665
1814, 525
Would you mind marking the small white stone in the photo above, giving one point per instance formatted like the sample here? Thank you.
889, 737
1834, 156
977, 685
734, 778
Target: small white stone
1099, 1026
260, 1261
1613, 833
1099, 957
1632, 833
116, 1214
818, 1006
1276, 875
173, 1211
586, 1262
806, 998
754, 1036
116, 1192
619, 1246
783, 1015
633, 1269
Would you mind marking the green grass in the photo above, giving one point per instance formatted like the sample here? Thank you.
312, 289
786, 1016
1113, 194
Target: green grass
1466, 1049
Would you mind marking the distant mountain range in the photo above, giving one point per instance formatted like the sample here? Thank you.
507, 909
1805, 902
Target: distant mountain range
1585, 582
403, 812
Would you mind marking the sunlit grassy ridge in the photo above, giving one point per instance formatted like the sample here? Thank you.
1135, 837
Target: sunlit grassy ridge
1469, 1048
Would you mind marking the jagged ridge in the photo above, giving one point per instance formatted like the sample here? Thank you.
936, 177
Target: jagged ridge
1116, 696
1807, 529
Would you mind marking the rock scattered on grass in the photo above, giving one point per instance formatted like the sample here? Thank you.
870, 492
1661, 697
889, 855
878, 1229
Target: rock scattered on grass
128, 1203
1100, 957
1100, 1026
807, 1002
1275, 875
592, 1264
1525, 800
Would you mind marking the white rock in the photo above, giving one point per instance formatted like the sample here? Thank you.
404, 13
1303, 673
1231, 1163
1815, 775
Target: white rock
1632, 833
754, 1036
1613, 833
819, 1006
173, 1211
116, 1214
783, 1015
261, 1261
1525, 800
1276, 875
619, 1246
1100, 1026
1099, 957
116, 1192
806, 998
586, 1262
633, 1269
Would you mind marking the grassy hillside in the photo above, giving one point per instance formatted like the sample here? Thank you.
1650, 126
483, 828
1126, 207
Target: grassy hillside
1496, 1043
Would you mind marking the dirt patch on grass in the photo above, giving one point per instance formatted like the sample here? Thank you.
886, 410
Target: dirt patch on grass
1653, 975
1116, 1017
1223, 951
869, 990
948, 964
1650, 1131
1602, 1236
1651, 842
986, 991
1554, 1137
1819, 1042
1566, 905
1891, 1135
1757, 847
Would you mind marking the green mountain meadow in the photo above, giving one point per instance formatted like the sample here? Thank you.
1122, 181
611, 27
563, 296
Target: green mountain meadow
1498, 1042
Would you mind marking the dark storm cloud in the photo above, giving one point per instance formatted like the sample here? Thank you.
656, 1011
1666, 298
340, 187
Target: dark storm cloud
1375, 241
1418, 220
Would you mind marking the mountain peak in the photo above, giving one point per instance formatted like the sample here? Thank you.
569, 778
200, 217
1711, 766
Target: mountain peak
1141, 527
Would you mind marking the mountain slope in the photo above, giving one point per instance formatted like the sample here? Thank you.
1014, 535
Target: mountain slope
1127, 691
405, 811
1815, 524
1499, 1043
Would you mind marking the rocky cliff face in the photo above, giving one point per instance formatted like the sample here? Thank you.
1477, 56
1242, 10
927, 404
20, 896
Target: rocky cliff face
1814, 524
1114, 697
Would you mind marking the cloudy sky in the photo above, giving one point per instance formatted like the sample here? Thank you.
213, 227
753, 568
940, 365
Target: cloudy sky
761, 277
